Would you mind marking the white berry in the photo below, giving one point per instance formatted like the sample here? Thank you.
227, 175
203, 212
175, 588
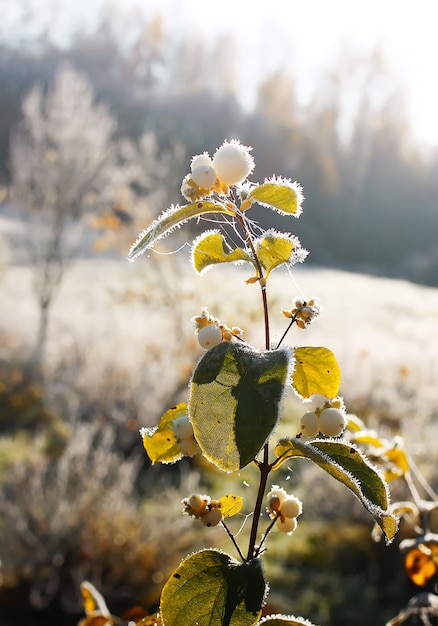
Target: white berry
209, 336
233, 162
291, 507
277, 492
199, 160
189, 447
309, 424
196, 504
286, 524
212, 518
204, 176
183, 428
332, 422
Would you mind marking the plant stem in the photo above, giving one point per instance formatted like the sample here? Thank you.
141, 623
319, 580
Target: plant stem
264, 467
236, 545
265, 534
241, 219
287, 330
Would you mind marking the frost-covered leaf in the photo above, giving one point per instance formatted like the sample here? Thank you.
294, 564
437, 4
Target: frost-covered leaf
347, 464
284, 620
274, 249
280, 194
235, 393
160, 442
230, 505
316, 371
210, 248
174, 217
210, 587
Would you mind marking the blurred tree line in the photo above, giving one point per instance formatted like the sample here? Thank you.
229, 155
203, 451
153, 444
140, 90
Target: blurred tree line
370, 190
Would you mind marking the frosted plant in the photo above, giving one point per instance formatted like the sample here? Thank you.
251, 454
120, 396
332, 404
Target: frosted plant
235, 399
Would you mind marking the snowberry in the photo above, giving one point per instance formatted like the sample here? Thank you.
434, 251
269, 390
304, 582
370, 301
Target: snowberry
309, 424
332, 422
199, 160
183, 428
276, 497
233, 162
291, 507
286, 524
277, 492
189, 447
209, 336
197, 503
212, 518
204, 176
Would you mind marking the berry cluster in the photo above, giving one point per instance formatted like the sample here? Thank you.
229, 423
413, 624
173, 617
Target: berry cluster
204, 508
330, 420
231, 165
284, 509
184, 433
211, 331
303, 312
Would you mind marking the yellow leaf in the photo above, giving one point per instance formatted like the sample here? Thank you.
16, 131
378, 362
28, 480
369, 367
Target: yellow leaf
160, 442
210, 248
230, 505
316, 371
399, 458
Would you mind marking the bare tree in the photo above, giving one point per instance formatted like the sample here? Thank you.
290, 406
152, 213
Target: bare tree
61, 157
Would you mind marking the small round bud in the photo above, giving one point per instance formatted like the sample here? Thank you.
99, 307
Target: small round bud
204, 176
233, 162
212, 518
309, 424
200, 160
291, 507
189, 447
183, 428
332, 422
286, 524
209, 336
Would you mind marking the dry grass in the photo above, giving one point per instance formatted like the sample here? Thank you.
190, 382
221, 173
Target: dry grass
121, 348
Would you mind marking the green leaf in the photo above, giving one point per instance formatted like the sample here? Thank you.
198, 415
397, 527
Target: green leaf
210, 248
274, 249
174, 217
316, 371
235, 393
160, 442
280, 194
284, 620
347, 464
230, 505
210, 587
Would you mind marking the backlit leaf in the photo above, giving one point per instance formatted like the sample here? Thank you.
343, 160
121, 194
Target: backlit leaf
210, 587
279, 194
174, 217
230, 505
274, 249
284, 620
235, 394
160, 442
347, 464
316, 371
211, 248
